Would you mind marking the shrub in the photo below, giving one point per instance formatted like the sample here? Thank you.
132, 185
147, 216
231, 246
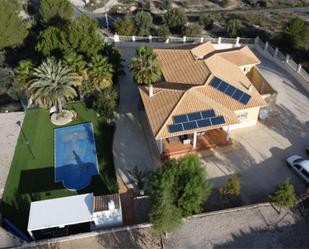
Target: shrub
193, 30
125, 26
163, 31
143, 23
178, 189
231, 186
206, 21
234, 27
175, 19
283, 196
105, 103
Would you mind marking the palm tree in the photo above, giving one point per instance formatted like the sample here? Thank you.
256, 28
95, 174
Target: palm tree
23, 74
77, 63
52, 84
145, 66
100, 72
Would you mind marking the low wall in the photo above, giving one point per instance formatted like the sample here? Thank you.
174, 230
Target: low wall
139, 226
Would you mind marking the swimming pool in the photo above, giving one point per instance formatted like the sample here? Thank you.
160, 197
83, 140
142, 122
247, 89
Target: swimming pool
75, 156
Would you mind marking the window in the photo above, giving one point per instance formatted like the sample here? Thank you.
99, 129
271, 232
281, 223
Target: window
242, 116
297, 166
305, 173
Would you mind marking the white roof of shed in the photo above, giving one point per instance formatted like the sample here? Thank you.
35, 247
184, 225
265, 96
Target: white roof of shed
60, 212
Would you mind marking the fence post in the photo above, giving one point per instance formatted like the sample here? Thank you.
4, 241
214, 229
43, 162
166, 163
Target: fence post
276, 52
237, 42
116, 38
167, 40
219, 40
287, 58
202, 39
184, 39
133, 38
150, 38
299, 68
256, 40
266, 46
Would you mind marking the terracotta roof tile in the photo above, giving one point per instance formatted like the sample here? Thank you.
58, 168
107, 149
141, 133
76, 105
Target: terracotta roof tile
187, 88
179, 66
202, 50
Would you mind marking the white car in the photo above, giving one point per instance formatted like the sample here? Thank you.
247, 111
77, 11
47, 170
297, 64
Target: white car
300, 165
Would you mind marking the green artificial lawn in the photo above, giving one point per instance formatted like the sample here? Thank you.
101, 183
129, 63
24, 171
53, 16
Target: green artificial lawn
33, 179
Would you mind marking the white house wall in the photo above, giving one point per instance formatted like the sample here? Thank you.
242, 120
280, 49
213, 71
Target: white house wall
247, 118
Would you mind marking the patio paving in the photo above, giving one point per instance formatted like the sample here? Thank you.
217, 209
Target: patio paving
9, 132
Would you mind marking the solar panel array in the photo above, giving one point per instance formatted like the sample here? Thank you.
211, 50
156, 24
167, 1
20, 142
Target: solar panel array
195, 120
230, 90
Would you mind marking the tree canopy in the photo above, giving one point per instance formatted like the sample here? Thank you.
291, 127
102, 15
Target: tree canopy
234, 27
55, 11
52, 83
283, 195
294, 33
143, 23
193, 30
178, 189
145, 66
124, 26
78, 36
175, 19
13, 30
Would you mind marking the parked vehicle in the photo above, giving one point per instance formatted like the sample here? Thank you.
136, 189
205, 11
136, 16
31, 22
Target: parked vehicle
300, 165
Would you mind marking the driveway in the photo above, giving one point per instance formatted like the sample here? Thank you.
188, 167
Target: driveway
130, 146
261, 151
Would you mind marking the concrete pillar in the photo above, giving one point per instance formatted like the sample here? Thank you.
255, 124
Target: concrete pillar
161, 146
287, 58
276, 52
202, 39
299, 67
150, 38
184, 39
167, 40
228, 134
266, 46
256, 40
133, 38
237, 41
219, 40
194, 139
116, 38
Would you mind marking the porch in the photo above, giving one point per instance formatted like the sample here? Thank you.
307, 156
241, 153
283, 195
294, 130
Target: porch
177, 146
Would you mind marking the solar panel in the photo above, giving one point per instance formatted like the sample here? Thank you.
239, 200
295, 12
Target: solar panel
204, 123
175, 128
245, 98
223, 86
237, 94
208, 113
215, 82
230, 90
180, 119
194, 116
190, 125
217, 120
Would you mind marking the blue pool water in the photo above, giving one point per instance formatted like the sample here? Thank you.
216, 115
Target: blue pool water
75, 156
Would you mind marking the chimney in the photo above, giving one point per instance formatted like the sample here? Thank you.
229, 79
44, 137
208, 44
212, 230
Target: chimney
111, 205
150, 90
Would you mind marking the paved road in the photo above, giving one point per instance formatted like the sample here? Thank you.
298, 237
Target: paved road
253, 228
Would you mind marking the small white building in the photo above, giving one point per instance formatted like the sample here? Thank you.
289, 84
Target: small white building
73, 214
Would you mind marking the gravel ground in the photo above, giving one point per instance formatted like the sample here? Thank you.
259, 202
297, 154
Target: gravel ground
259, 227
9, 132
